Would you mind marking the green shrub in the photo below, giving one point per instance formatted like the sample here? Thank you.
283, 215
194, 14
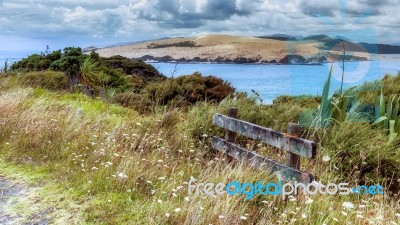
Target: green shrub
37, 62
132, 67
133, 100
187, 44
188, 90
302, 100
46, 79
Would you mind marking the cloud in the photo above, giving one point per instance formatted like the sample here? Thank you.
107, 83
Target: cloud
317, 8
123, 20
191, 13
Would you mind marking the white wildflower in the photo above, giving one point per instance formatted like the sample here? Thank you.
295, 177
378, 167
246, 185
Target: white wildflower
167, 215
309, 201
348, 205
177, 210
243, 218
326, 158
122, 175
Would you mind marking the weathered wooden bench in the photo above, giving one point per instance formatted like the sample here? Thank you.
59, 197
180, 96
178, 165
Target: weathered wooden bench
294, 146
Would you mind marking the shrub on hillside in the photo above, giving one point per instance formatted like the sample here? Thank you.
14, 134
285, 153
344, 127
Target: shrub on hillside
133, 100
37, 62
48, 79
186, 90
132, 67
302, 100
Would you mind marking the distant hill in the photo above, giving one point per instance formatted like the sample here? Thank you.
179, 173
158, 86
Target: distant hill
280, 37
278, 48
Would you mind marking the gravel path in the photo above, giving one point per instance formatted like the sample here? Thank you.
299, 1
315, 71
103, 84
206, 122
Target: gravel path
13, 193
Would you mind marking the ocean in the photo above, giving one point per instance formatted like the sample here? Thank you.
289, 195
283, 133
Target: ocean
271, 81
13, 56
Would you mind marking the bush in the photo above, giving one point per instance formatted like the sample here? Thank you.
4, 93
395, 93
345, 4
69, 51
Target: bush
302, 100
188, 90
132, 67
133, 100
36, 62
48, 79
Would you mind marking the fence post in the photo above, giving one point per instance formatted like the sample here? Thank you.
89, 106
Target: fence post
293, 160
229, 135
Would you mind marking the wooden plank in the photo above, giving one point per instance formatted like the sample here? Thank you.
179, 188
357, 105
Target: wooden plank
269, 136
293, 160
283, 172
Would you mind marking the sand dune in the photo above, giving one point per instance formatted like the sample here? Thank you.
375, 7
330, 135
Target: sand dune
223, 48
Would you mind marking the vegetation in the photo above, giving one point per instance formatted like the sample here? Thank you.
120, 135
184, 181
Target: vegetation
186, 44
95, 74
191, 89
129, 163
130, 67
49, 79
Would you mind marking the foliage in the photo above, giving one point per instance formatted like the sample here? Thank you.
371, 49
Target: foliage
90, 74
322, 117
132, 67
388, 115
37, 62
302, 100
111, 157
187, 44
361, 152
48, 79
133, 100
186, 90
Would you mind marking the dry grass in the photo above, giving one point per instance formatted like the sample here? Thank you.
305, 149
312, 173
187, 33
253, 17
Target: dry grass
134, 169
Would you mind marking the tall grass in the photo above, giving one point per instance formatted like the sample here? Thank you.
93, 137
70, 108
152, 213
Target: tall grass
133, 169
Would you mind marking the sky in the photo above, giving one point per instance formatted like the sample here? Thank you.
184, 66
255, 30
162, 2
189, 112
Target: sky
33, 24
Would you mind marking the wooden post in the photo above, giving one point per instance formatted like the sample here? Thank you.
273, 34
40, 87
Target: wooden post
229, 135
293, 160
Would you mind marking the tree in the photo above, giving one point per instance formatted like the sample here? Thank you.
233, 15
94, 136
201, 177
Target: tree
70, 63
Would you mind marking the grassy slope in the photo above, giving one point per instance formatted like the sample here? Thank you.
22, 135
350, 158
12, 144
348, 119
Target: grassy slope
90, 153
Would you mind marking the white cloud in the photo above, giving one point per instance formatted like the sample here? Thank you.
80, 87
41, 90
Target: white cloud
141, 19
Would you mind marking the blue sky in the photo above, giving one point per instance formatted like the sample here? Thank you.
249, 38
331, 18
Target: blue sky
33, 24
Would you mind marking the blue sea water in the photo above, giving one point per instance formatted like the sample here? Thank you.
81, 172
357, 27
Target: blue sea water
13, 56
271, 81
